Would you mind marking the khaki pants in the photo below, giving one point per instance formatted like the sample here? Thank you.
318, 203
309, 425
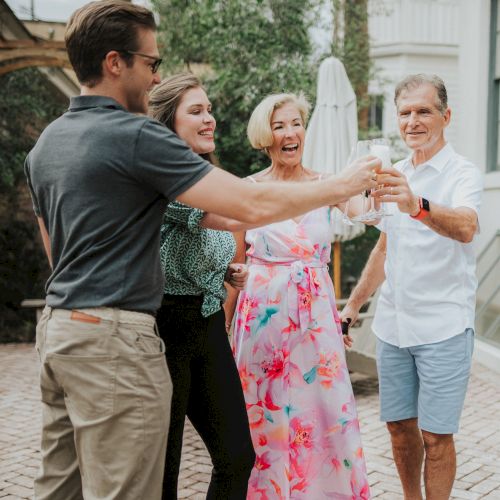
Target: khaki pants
106, 395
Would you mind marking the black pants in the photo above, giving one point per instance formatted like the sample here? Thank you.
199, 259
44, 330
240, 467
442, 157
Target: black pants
207, 389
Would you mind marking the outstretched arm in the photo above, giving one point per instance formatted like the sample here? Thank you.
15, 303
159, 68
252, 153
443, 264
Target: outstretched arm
261, 203
214, 221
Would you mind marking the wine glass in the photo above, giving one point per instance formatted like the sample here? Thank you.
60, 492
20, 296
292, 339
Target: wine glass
369, 211
362, 148
381, 149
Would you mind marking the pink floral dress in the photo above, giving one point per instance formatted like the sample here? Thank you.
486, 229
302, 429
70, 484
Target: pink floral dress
290, 355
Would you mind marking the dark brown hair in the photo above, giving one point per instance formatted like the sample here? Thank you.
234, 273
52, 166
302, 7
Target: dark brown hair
99, 27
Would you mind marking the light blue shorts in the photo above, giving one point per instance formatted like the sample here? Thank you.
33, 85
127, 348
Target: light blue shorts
427, 382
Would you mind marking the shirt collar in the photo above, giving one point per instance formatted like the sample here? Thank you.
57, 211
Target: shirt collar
438, 161
93, 101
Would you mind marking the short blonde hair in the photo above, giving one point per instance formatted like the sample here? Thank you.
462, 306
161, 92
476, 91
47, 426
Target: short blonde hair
259, 130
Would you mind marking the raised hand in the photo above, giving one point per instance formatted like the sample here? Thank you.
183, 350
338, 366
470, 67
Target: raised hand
395, 189
361, 175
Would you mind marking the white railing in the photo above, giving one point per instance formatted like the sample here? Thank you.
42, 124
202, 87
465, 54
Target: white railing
487, 309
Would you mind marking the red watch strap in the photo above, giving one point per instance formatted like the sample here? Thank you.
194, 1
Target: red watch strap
422, 213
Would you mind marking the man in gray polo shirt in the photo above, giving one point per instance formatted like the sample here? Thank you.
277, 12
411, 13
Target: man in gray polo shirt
100, 177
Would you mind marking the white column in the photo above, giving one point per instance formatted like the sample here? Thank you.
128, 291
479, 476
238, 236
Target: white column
473, 78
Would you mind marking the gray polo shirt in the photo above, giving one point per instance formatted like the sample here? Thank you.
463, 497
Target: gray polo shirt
100, 178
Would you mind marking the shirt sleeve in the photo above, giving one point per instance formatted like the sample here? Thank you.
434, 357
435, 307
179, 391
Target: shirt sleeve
36, 207
178, 213
164, 161
468, 188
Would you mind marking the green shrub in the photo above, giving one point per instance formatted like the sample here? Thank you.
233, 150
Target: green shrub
28, 102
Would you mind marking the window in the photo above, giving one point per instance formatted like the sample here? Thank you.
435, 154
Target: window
493, 159
375, 113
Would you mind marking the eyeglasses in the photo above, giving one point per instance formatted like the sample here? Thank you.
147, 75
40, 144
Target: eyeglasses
154, 65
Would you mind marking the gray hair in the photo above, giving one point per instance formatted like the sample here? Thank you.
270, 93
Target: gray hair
413, 81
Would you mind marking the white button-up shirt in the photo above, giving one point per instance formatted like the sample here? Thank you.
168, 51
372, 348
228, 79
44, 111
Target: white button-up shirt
429, 291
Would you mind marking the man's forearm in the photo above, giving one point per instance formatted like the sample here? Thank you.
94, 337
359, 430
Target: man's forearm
261, 203
458, 224
286, 200
220, 223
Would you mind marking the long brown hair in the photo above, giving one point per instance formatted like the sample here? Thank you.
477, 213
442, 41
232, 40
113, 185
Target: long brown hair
164, 100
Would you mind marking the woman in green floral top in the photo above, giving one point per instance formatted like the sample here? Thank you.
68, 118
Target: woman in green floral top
197, 261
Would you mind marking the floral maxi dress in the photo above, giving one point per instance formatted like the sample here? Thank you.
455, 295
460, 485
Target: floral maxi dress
290, 355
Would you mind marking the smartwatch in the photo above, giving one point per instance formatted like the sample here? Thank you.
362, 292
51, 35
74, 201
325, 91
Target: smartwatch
424, 209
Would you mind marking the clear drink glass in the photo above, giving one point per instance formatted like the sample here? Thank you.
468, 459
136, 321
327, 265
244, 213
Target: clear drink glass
381, 149
362, 148
369, 210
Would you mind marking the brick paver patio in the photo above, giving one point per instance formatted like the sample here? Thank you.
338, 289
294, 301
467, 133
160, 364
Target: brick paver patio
478, 443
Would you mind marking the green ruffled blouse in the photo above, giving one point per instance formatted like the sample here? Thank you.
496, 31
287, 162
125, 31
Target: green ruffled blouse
194, 259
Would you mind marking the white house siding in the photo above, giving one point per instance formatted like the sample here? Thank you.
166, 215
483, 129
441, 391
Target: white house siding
414, 36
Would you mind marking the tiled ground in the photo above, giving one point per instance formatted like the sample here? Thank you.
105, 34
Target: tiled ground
478, 443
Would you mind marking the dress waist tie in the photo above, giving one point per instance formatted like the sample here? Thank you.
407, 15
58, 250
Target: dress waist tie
302, 286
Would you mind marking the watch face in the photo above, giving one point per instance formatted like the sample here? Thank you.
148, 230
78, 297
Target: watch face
425, 205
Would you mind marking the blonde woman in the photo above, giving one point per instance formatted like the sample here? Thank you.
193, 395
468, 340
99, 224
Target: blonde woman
287, 341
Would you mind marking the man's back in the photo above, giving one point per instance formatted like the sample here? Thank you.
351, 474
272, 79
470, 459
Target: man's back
98, 179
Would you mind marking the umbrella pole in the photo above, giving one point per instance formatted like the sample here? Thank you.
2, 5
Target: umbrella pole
336, 270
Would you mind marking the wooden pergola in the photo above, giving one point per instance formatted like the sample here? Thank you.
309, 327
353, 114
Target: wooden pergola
19, 54
20, 49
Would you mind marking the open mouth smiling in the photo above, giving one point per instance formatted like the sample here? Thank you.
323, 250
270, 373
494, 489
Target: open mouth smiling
208, 132
290, 148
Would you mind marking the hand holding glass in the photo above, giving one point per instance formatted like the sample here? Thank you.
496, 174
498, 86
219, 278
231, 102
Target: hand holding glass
370, 210
380, 148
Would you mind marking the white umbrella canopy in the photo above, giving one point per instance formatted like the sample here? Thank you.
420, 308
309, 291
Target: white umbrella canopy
333, 132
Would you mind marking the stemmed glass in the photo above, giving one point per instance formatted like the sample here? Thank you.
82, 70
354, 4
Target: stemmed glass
381, 149
370, 211
362, 148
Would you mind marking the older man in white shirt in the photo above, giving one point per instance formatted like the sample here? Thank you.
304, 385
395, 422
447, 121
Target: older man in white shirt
425, 313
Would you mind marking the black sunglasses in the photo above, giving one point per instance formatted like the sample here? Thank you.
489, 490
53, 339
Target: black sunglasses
154, 65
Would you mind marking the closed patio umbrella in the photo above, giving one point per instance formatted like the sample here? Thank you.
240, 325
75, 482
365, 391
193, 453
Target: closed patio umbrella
331, 135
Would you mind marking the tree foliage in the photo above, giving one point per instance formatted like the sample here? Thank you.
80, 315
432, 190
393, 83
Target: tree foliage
27, 104
351, 44
250, 49
255, 48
